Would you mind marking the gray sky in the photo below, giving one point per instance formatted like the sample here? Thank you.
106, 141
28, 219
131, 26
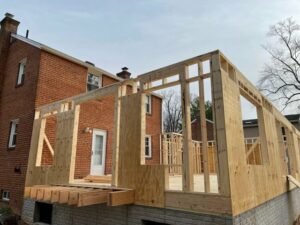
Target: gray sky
145, 35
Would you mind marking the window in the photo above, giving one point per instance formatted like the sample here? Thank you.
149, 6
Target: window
148, 103
5, 195
21, 72
13, 133
148, 149
43, 213
93, 82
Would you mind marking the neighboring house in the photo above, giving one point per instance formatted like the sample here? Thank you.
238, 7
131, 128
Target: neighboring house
251, 126
196, 129
32, 75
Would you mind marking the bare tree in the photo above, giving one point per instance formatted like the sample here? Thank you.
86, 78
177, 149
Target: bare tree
280, 79
172, 112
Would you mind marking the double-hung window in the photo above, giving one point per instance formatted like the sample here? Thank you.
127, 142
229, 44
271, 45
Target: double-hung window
21, 72
93, 82
12, 142
148, 147
148, 104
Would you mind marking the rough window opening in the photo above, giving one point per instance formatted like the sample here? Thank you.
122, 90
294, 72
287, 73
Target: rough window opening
251, 130
203, 140
43, 213
149, 222
170, 137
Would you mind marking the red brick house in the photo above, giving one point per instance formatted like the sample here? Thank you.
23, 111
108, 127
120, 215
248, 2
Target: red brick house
32, 75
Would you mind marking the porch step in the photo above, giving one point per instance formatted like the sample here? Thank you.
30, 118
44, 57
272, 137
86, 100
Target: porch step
98, 179
293, 180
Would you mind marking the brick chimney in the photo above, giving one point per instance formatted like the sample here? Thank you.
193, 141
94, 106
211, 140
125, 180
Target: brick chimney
124, 73
8, 26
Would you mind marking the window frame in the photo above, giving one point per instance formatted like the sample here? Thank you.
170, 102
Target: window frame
5, 196
21, 76
88, 83
149, 156
13, 131
148, 97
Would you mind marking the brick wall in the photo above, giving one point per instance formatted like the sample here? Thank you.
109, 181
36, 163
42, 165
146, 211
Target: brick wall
60, 79
49, 78
17, 103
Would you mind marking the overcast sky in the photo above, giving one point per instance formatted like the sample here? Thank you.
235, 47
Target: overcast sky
145, 35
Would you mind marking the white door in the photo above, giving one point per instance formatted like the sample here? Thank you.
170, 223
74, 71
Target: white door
98, 152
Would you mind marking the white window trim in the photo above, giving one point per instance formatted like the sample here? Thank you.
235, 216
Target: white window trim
5, 196
87, 79
150, 146
21, 71
13, 124
150, 104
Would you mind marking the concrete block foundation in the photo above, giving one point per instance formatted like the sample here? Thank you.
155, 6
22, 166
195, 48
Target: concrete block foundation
281, 210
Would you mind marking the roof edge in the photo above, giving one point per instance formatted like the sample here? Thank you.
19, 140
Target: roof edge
63, 55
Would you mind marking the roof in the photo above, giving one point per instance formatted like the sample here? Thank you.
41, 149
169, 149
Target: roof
293, 118
63, 55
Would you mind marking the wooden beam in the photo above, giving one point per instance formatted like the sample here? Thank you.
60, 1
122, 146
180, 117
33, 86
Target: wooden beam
40, 142
48, 144
27, 192
159, 87
92, 197
220, 126
118, 198
252, 147
116, 134
173, 69
203, 129
293, 180
98, 179
187, 164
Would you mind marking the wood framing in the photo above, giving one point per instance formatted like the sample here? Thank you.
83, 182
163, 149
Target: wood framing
79, 196
241, 185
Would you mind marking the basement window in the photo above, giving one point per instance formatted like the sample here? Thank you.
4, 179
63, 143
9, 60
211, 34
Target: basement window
93, 82
43, 213
148, 147
148, 104
5, 196
21, 72
12, 142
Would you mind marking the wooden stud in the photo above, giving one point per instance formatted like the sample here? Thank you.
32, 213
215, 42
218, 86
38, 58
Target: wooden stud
187, 164
203, 129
